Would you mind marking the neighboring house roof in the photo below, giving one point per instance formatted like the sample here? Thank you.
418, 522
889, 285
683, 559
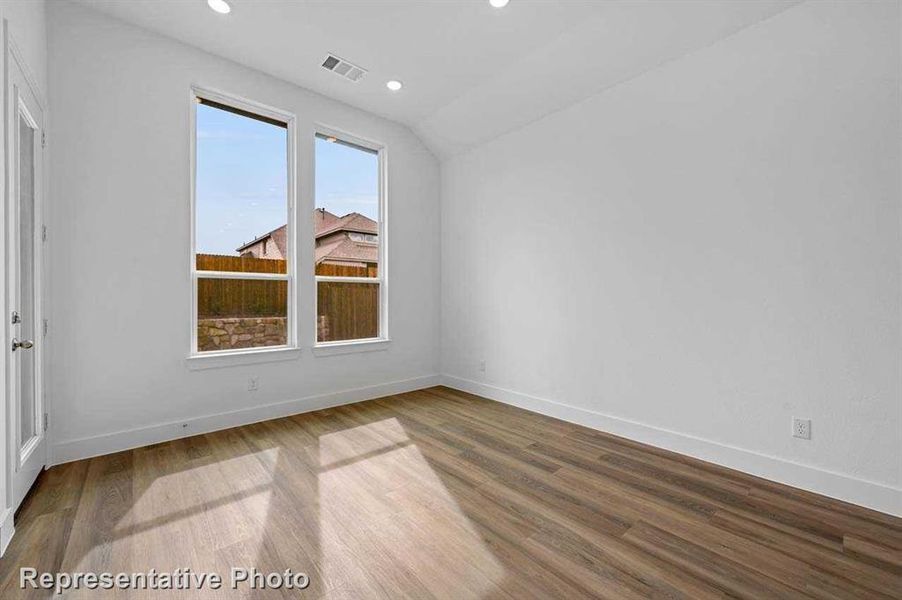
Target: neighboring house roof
350, 222
348, 250
257, 240
326, 223
323, 219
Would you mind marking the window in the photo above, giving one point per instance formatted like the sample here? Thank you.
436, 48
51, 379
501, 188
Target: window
364, 237
349, 240
243, 228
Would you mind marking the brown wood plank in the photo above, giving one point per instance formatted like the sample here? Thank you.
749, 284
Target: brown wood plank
874, 552
443, 494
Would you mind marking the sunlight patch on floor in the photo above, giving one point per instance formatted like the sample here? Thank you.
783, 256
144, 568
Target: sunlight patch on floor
216, 505
384, 510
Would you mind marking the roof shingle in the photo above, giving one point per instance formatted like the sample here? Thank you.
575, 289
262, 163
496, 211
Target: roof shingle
325, 223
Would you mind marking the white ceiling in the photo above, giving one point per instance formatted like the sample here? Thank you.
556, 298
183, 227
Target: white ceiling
471, 72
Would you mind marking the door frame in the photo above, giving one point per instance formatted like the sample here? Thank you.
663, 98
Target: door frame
11, 106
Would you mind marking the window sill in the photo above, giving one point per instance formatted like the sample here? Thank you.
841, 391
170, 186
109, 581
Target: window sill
217, 360
351, 347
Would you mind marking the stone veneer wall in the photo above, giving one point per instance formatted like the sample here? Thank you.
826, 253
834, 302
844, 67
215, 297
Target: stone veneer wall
244, 332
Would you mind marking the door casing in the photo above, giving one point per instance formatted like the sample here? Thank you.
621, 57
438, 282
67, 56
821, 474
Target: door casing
22, 97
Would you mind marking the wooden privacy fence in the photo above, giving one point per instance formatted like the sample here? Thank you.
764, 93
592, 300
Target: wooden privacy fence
328, 270
219, 298
242, 264
240, 297
344, 310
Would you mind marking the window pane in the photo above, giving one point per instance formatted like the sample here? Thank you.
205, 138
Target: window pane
241, 192
346, 219
346, 311
28, 421
241, 313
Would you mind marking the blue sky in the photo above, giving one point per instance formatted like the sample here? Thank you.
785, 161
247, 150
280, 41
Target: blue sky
242, 179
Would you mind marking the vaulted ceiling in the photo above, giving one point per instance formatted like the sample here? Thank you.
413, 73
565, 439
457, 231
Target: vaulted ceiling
470, 71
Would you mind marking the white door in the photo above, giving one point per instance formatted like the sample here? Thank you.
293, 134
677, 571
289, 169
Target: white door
26, 124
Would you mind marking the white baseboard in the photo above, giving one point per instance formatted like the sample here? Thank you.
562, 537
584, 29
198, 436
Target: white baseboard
835, 485
7, 529
68, 451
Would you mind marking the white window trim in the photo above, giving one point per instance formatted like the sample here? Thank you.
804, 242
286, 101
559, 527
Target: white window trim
290, 350
351, 347
382, 341
247, 356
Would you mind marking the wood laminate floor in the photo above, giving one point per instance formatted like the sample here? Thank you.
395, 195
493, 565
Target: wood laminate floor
439, 493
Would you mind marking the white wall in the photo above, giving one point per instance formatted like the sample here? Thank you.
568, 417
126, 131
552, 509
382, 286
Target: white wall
27, 24
119, 235
702, 253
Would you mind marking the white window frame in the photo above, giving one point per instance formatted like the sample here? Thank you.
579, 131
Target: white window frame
382, 339
290, 349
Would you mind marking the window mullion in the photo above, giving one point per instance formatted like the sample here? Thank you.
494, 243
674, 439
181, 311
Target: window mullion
241, 275
339, 279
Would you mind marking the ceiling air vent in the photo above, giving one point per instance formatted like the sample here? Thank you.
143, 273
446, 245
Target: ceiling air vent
340, 66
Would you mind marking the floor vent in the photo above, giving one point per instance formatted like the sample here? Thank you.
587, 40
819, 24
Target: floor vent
340, 66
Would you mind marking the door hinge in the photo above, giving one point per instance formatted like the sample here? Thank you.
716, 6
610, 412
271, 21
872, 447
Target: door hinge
45, 327
46, 421
43, 233
43, 140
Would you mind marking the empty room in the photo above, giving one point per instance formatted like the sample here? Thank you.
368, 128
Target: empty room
488, 299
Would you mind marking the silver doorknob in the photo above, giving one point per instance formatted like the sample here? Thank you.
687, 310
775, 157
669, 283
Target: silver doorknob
26, 344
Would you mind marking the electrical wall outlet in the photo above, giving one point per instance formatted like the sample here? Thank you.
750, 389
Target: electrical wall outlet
252, 384
801, 428
482, 366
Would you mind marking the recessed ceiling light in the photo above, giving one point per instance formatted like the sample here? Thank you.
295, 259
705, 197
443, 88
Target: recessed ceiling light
394, 85
499, 3
221, 6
